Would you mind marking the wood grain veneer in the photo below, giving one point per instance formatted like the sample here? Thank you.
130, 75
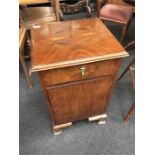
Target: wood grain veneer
77, 63
73, 43
73, 73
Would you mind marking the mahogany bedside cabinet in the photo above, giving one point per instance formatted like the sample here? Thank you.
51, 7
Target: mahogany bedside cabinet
77, 62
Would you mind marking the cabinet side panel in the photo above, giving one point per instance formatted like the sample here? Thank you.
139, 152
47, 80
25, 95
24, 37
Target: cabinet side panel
47, 97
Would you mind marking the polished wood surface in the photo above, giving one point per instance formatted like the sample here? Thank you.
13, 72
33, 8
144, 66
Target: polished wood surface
54, 5
78, 100
29, 2
38, 15
78, 42
74, 73
77, 63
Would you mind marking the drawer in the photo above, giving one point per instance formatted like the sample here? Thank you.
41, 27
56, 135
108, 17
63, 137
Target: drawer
79, 72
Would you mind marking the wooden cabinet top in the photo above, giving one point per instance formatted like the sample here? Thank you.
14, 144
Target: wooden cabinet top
74, 42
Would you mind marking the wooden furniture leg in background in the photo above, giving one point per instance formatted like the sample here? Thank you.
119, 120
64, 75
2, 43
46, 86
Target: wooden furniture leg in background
132, 109
130, 112
22, 61
127, 69
124, 32
130, 68
22, 39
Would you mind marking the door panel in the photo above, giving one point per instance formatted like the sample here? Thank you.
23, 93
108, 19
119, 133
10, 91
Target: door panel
79, 100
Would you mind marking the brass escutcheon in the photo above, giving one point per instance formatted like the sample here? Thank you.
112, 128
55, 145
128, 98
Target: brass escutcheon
82, 70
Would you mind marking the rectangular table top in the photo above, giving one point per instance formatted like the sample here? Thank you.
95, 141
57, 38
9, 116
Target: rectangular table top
74, 42
29, 2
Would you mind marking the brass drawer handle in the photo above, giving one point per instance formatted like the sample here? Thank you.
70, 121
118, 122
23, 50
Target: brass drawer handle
82, 70
54, 109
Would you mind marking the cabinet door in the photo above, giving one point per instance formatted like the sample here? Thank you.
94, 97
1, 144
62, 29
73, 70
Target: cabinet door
79, 100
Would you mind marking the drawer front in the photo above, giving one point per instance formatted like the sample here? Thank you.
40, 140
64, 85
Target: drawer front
78, 100
79, 72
